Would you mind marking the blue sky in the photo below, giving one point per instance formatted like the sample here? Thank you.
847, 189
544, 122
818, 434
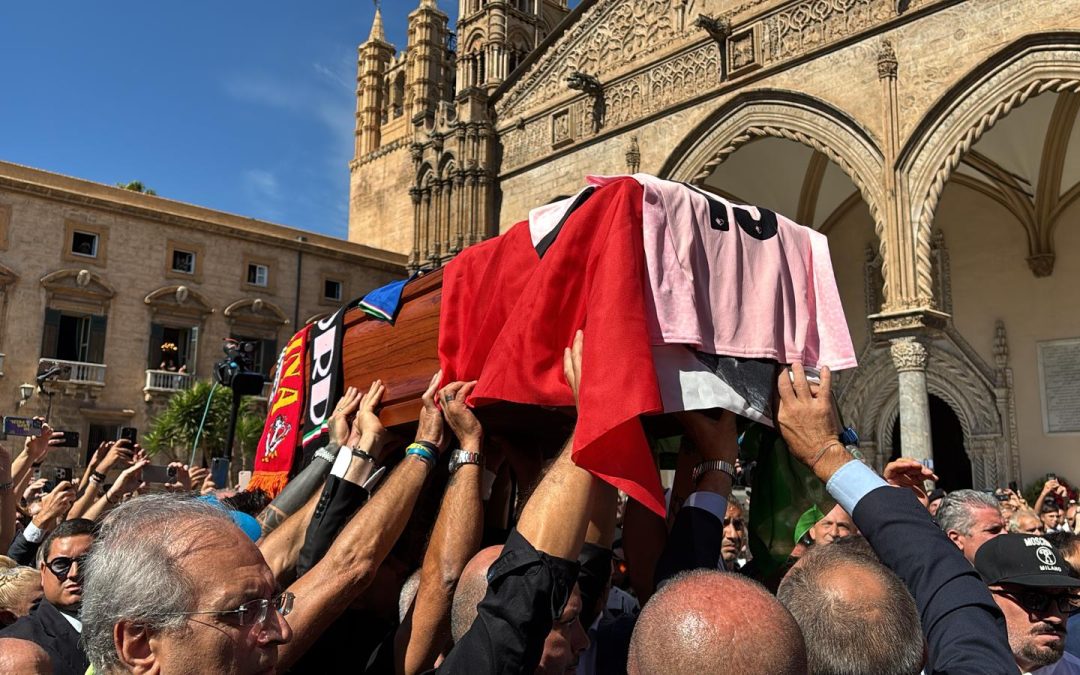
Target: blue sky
241, 106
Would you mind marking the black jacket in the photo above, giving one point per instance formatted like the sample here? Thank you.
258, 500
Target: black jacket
965, 631
47, 628
23, 551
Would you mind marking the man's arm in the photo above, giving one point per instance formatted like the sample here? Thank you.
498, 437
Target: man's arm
454, 540
532, 580
352, 561
698, 532
7, 499
964, 629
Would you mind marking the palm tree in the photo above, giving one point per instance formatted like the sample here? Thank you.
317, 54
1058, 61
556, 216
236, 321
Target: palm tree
174, 430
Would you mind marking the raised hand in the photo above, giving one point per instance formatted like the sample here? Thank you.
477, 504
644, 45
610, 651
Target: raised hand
55, 505
458, 415
129, 480
37, 447
367, 422
807, 421
339, 419
118, 455
430, 422
910, 474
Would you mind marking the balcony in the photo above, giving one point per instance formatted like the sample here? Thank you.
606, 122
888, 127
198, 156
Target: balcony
166, 381
75, 372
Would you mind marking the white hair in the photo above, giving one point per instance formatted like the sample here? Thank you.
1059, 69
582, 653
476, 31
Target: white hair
133, 571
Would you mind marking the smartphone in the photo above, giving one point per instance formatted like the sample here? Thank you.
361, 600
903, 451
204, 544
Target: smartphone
155, 473
219, 471
129, 434
71, 439
242, 480
22, 426
63, 473
1051, 476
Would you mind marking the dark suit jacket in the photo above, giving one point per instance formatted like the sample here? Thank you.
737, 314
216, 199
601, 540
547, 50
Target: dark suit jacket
694, 542
48, 629
22, 551
964, 629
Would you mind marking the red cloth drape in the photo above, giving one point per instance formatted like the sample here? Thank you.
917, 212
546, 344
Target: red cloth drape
507, 316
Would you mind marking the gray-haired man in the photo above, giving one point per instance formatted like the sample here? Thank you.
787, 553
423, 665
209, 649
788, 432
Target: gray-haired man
174, 586
970, 518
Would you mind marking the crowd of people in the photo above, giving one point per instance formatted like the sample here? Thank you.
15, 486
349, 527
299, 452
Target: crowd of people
465, 551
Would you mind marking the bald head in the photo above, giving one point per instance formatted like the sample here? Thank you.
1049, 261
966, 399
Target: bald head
21, 657
707, 621
471, 588
855, 614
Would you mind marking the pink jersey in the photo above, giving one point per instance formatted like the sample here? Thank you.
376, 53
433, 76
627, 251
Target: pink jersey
738, 280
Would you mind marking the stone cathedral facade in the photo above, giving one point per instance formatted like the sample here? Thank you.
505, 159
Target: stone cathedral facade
931, 140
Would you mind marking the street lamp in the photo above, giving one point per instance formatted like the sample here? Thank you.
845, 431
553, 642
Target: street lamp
25, 392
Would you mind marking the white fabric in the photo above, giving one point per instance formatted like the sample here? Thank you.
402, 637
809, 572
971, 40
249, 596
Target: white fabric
687, 384
34, 534
544, 219
75, 623
341, 464
708, 501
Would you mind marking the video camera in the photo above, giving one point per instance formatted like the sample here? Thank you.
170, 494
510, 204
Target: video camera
237, 369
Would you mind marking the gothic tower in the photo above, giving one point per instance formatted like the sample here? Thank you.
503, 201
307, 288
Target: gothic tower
375, 56
494, 36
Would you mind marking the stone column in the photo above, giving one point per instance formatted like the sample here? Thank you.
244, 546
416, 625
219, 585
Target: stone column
910, 358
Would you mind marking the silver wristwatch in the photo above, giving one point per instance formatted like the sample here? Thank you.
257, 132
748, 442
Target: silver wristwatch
461, 457
712, 465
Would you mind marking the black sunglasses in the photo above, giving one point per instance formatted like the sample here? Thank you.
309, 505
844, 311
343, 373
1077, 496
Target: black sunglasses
61, 565
1038, 602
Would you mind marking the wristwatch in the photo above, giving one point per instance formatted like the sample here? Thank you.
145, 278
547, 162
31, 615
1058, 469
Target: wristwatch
712, 465
462, 457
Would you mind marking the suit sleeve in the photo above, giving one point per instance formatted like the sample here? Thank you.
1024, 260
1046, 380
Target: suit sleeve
339, 500
23, 551
694, 543
965, 631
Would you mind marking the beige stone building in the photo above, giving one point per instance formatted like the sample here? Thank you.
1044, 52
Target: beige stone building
127, 290
931, 140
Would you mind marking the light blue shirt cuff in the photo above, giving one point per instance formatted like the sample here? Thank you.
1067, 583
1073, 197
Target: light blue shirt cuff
851, 483
34, 534
708, 501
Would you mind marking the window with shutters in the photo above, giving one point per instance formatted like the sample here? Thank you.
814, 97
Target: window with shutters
172, 348
74, 337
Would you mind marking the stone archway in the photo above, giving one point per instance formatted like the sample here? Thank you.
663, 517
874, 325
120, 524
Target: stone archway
1034, 65
975, 391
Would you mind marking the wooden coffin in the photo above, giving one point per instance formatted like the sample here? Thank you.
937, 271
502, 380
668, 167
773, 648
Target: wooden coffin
405, 355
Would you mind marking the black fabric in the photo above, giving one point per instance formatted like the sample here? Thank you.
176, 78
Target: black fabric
354, 639
324, 380
694, 543
593, 578
339, 500
753, 379
22, 551
964, 629
527, 591
550, 237
48, 629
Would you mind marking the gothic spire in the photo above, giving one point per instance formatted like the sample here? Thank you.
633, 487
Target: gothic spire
377, 32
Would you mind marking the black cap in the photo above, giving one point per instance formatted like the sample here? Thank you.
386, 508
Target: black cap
1024, 560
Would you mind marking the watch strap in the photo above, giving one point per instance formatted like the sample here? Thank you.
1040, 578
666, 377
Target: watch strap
712, 465
461, 457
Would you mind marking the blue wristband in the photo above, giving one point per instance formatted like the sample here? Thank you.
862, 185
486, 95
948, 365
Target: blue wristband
421, 452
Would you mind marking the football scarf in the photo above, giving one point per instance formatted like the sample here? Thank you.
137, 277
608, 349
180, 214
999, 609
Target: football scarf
285, 409
324, 381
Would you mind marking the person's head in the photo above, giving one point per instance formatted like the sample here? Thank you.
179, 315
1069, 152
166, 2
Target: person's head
62, 555
934, 500
20, 589
708, 621
1031, 584
836, 524
23, 657
164, 581
1050, 515
251, 502
969, 518
1024, 521
564, 643
856, 616
1069, 545
734, 534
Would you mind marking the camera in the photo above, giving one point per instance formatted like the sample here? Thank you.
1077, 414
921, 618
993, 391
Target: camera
237, 370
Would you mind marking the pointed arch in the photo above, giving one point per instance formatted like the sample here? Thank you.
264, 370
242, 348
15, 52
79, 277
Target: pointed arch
1033, 65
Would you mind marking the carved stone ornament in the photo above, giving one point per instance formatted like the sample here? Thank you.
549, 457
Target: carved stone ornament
1001, 345
718, 28
908, 354
1042, 265
808, 25
633, 156
182, 294
743, 50
257, 305
82, 279
886, 60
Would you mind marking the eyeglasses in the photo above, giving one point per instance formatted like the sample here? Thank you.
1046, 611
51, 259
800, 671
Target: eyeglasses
254, 611
61, 565
1038, 602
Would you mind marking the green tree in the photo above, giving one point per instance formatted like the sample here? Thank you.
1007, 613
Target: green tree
136, 186
173, 431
